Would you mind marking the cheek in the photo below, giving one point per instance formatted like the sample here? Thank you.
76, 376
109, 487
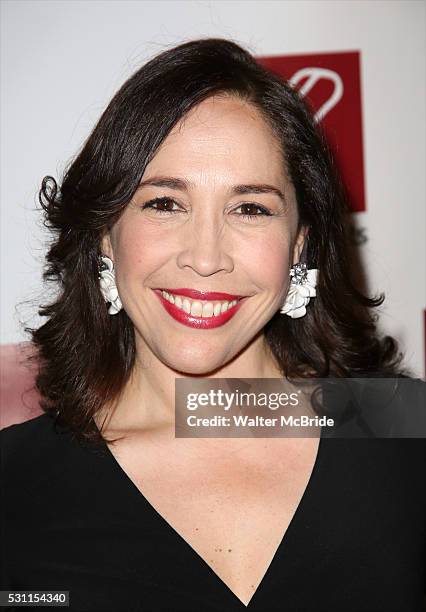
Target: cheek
267, 259
139, 252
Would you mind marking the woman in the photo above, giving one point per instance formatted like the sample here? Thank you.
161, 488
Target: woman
200, 234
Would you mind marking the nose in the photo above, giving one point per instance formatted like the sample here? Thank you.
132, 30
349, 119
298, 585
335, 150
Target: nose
204, 246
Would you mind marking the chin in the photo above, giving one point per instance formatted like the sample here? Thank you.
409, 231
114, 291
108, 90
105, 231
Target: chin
197, 362
194, 369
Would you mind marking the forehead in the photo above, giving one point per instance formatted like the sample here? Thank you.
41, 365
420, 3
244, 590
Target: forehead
224, 136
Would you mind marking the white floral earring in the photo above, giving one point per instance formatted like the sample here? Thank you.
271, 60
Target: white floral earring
107, 284
302, 288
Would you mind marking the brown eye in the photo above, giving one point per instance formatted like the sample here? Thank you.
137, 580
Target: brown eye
249, 209
161, 205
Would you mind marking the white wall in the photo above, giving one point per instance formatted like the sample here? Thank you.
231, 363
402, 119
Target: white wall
62, 60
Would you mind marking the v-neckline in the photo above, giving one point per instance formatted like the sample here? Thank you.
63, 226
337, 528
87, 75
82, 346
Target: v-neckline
301, 509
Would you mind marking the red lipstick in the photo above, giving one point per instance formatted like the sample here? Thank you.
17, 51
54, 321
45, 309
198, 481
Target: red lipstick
203, 295
199, 322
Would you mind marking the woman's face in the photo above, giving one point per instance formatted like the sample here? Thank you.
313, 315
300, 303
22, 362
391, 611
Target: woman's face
215, 213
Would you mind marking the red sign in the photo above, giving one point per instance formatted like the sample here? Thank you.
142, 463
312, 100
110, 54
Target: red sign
332, 86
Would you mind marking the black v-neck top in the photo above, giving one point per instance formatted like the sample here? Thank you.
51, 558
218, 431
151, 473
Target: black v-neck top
73, 520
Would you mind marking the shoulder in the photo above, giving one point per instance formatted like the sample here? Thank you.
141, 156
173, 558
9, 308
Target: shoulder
398, 404
32, 450
374, 405
27, 436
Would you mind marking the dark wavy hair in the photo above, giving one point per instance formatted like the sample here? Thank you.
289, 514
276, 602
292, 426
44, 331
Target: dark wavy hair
84, 355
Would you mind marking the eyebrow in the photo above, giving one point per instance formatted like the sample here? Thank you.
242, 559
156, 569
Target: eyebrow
183, 185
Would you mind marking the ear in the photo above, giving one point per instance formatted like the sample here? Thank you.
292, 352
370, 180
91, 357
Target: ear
106, 246
300, 243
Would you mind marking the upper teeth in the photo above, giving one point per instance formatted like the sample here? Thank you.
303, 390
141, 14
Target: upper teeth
197, 308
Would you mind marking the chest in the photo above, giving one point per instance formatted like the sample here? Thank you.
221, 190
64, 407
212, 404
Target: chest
232, 511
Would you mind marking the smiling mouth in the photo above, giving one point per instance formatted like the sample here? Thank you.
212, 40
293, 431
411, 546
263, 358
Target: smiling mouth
209, 306
199, 313
197, 294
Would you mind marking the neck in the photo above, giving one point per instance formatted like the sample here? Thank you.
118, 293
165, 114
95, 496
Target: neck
147, 403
